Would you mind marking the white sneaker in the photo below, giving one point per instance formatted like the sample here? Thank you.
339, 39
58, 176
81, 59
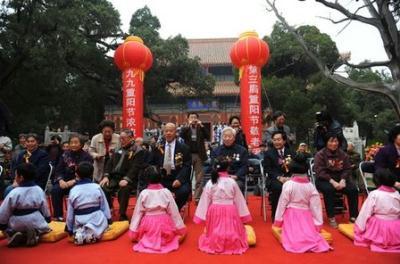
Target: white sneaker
332, 222
79, 238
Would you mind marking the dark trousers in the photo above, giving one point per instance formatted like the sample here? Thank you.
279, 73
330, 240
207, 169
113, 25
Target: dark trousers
123, 194
329, 193
241, 185
57, 196
275, 190
181, 194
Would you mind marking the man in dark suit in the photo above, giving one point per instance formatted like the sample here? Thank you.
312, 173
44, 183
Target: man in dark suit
237, 153
174, 160
38, 157
122, 171
195, 136
276, 161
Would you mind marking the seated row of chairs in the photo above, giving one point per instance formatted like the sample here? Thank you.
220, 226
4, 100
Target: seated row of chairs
256, 179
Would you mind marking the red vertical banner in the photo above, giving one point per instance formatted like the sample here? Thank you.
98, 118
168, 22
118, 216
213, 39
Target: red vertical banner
250, 100
132, 101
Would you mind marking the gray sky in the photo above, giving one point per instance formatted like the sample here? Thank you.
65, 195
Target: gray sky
229, 18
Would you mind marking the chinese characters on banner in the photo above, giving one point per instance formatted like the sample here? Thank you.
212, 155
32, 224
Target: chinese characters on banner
132, 105
250, 93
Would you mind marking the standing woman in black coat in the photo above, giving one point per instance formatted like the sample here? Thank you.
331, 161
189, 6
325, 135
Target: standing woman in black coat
240, 139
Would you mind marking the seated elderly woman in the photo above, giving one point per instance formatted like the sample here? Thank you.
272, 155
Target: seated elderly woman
237, 153
333, 170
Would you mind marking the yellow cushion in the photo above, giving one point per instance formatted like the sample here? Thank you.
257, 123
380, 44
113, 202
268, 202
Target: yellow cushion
114, 230
251, 235
2, 235
277, 232
57, 232
347, 230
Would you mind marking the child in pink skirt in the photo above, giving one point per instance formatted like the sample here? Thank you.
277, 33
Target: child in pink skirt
224, 210
299, 212
156, 224
378, 224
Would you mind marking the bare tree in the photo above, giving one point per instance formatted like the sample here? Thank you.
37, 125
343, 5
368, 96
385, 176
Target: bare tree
384, 15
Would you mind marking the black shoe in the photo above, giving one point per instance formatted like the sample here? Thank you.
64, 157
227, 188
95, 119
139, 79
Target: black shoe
17, 239
123, 218
32, 238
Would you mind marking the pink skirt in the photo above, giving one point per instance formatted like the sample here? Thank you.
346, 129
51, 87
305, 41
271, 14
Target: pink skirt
380, 235
225, 232
299, 233
157, 234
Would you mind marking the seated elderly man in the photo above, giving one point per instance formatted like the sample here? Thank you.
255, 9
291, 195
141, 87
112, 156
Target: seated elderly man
175, 161
122, 171
237, 153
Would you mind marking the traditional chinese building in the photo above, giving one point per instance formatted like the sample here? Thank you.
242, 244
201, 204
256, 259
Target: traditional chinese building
214, 57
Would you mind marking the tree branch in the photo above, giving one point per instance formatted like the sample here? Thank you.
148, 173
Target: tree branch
367, 64
389, 90
334, 21
353, 16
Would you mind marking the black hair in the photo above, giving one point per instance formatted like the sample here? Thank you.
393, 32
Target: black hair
26, 170
33, 135
393, 133
21, 136
233, 117
284, 137
298, 164
58, 137
278, 114
107, 123
333, 135
384, 177
220, 164
152, 174
81, 140
192, 113
85, 170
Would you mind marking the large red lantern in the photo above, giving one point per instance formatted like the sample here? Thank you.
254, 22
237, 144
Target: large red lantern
249, 54
133, 58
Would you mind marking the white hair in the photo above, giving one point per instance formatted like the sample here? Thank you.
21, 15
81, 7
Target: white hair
230, 129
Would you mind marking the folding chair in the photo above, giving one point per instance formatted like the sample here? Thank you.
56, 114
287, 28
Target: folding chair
46, 189
256, 176
48, 183
311, 172
367, 170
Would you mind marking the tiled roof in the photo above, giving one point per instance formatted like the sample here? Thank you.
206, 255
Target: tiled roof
211, 51
220, 89
226, 88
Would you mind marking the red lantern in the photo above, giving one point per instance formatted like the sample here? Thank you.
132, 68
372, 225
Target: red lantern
249, 54
249, 50
133, 58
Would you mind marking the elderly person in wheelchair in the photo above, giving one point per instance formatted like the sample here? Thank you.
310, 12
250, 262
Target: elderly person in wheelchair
333, 176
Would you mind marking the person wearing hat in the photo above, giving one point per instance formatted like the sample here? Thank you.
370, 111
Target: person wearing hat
299, 211
303, 148
388, 157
